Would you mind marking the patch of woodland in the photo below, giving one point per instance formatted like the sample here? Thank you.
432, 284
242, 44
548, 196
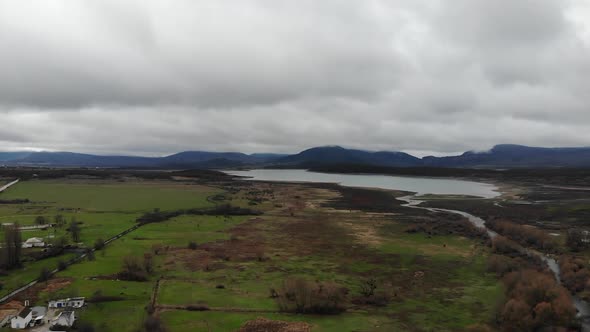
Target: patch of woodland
525, 235
575, 275
223, 210
447, 224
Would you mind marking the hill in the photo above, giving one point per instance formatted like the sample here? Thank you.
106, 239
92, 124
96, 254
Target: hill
337, 155
500, 156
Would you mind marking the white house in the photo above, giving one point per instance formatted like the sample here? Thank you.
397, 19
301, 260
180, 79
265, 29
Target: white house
22, 320
65, 318
34, 242
74, 302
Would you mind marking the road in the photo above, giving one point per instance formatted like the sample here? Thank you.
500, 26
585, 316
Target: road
9, 185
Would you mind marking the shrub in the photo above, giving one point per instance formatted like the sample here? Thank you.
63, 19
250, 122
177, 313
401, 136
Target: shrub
61, 265
45, 274
132, 270
99, 244
306, 297
197, 307
535, 301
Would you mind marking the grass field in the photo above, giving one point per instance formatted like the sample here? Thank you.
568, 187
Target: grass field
436, 283
103, 210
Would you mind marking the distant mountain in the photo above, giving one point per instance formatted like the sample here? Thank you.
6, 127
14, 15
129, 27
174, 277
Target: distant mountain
83, 160
6, 156
510, 156
500, 156
187, 159
337, 154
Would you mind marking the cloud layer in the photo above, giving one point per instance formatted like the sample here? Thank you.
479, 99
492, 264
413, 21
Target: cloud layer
154, 77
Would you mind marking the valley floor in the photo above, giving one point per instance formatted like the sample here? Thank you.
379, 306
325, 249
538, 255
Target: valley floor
317, 233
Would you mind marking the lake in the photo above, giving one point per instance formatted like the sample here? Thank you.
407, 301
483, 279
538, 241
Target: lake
419, 185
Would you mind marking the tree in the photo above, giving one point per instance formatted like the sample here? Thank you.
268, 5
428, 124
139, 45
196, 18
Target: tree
60, 242
59, 220
99, 244
41, 220
368, 287
153, 324
13, 246
45, 274
133, 269
148, 262
575, 239
74, 230
61, 265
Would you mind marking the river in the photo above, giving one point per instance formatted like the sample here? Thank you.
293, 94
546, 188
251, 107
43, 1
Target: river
420, 186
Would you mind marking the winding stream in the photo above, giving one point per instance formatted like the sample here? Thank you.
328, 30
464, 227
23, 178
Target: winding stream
582, 307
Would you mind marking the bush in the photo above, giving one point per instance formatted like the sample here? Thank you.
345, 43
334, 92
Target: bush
306, 297
45, 274
535, 301
197, 307
192, 245
575, 274
61, 265
528, 236
98, 297
99, 244
132, 270
153, 324
505, 246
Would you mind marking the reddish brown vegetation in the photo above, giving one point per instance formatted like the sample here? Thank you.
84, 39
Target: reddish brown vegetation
504, 246
535, 301
528, 236
575, 274
448, 224
502, 265
306, 297
267, 325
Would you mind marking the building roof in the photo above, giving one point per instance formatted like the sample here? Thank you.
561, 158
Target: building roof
24, 313
39, 311
34, 240
69, 316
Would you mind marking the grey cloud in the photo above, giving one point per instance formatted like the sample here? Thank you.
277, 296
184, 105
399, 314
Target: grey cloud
155, 77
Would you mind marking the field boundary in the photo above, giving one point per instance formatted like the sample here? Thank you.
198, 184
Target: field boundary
70, 262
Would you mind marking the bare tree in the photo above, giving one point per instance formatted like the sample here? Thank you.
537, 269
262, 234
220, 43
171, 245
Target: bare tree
41, 220
59, 220
75, 230
13, 246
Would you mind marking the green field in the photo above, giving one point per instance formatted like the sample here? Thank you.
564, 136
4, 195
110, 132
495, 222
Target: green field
104, 209
239, 259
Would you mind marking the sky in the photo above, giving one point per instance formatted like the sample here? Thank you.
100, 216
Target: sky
147, 77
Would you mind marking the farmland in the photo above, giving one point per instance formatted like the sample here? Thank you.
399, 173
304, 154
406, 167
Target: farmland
229, 265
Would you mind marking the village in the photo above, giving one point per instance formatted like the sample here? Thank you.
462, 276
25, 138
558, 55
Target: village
58, 315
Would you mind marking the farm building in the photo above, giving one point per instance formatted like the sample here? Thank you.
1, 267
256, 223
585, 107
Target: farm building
38, 315
34, 242
22, 320
65, 318
74, 302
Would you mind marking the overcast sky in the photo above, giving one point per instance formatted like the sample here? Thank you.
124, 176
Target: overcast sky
424, 76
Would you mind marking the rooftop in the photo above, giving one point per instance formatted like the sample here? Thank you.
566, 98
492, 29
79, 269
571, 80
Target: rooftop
24, 313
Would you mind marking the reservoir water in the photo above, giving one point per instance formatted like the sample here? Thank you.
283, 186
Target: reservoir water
419, 185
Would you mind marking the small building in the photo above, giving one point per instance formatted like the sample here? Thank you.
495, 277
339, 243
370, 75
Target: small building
22, 320
34, 242
38, 314
65, 319
74, 302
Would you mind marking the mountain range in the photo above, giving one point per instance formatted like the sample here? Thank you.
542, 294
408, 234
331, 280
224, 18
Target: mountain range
500, 156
